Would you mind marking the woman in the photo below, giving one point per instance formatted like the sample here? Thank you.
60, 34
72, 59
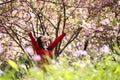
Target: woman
39, 45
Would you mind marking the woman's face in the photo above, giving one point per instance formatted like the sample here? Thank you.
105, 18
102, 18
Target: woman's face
44, 39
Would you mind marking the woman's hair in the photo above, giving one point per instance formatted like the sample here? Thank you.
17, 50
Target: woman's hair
40, 42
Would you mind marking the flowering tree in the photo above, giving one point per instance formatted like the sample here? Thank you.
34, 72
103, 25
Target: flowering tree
92, 24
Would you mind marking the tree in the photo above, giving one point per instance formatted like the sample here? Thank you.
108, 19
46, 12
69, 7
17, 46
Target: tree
98, 18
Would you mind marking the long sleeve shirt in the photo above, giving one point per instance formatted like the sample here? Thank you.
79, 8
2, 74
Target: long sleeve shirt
42, 52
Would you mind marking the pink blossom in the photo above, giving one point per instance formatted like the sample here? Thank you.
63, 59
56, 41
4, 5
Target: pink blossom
37, 58
29, 50
118, 2
106, 2
17, 2
53, 61
105, 22
100, 29
87, 32
66, 0
105, 48
1, 72
1, 49
91, 25
81, 52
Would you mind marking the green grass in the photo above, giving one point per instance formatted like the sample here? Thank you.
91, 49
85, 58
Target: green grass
62, 70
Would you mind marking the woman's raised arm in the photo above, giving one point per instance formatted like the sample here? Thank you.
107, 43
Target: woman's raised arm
33, 40
56, 41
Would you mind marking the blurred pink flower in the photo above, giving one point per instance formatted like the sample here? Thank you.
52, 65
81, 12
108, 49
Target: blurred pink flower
81, 52
1, 49
37, 58
87, 32
105, 48
1, 72
66, 0
105, 22
100, 29
29, 50
91, 25
106, 2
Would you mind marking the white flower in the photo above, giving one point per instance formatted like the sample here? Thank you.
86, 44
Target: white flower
82, 64
53, 61
81, 52
37, 58
105, 49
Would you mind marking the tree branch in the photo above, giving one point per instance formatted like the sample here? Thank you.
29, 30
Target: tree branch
6, 2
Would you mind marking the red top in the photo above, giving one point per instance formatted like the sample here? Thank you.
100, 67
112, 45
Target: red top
41, 51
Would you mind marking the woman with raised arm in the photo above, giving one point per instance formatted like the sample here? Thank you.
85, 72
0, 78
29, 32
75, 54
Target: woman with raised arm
39, 45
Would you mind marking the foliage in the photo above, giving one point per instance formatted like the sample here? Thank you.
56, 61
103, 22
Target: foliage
62, 70
99, 20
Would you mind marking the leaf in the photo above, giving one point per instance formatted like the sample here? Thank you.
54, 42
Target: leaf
114, 22
116, 47
109, 58
13, 64
117, 69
